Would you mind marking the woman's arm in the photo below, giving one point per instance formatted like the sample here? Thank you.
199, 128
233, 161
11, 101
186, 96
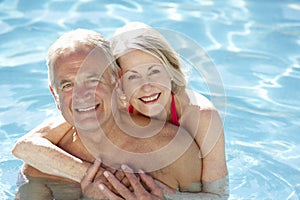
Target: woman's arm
217, 190
207, 129
145, 187
39, 149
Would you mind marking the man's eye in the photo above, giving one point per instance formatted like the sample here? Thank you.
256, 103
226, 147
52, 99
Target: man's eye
66, 87
94, 82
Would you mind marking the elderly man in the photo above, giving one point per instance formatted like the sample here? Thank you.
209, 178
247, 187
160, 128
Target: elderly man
82, 75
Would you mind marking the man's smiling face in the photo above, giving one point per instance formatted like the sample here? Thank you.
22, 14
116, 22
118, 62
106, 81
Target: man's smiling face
84, 88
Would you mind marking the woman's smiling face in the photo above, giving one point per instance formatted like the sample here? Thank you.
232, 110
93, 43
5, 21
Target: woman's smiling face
146, 83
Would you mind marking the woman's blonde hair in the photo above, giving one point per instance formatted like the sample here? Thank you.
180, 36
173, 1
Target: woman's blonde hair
139, 36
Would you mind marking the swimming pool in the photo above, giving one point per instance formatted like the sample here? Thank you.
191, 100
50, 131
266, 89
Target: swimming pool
255, 47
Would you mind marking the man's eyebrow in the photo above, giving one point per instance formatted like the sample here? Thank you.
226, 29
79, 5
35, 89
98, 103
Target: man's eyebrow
63, 82
94, 75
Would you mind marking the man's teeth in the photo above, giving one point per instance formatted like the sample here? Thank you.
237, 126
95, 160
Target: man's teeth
86, 109
147, 99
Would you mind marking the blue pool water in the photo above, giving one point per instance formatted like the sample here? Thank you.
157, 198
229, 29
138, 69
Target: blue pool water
255, 46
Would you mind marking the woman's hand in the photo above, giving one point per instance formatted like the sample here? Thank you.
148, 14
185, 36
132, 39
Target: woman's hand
88, 185
139, 184
94, 176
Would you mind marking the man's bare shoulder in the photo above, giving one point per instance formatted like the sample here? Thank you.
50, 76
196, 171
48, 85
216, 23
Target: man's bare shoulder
52, 129
54, 124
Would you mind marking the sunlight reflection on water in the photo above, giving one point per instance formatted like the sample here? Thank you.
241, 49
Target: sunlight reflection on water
255, 52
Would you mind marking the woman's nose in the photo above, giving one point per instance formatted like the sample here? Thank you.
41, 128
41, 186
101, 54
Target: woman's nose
146, 86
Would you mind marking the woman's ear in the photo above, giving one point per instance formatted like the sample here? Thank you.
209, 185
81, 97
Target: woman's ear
120, 74
54, 96
122, 100
119, 82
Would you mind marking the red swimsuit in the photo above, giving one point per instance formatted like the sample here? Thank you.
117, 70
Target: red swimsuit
173, 111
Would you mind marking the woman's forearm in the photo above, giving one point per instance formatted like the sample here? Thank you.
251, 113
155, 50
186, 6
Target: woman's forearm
41, 154
218, 189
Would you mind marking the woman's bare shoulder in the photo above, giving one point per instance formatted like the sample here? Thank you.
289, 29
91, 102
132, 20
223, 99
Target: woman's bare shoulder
197, 99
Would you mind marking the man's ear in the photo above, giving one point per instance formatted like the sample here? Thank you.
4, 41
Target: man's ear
54, 96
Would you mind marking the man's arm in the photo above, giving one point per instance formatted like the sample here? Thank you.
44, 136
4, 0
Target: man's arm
38, 149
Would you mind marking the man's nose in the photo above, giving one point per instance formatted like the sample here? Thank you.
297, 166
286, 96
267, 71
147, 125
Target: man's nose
82, 92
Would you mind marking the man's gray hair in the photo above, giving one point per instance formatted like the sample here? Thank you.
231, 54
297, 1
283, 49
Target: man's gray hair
76, 40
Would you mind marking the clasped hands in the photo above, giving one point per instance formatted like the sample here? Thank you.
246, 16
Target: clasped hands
108, 183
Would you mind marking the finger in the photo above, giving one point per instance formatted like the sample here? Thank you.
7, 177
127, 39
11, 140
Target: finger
110, 169
126, 182
119, 175
121, 189
122, 177
131, 188
109, 194
104, 181
133, 180
90, 174
150, 183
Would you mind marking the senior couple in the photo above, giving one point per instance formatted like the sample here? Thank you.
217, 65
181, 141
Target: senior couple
130, 128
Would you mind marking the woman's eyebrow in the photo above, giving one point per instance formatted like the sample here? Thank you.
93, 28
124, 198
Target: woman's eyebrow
131, 70
154, 65
149, 68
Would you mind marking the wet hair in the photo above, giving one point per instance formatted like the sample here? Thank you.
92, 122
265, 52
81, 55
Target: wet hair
139, 36
76, 41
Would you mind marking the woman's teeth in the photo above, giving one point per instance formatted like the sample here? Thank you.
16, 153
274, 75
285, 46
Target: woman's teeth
151, 98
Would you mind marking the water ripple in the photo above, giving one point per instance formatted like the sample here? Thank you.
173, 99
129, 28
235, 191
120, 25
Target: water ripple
255, 52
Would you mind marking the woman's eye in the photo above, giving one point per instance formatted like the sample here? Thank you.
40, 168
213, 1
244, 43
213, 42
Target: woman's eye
132, 77
155, 71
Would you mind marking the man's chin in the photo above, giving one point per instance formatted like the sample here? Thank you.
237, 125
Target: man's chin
88, 125
89, 132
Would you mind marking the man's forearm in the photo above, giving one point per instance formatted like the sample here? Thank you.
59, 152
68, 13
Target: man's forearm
50, 159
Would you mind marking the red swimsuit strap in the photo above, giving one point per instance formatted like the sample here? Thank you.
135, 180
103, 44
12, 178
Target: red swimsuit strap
130, 108
174, 112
